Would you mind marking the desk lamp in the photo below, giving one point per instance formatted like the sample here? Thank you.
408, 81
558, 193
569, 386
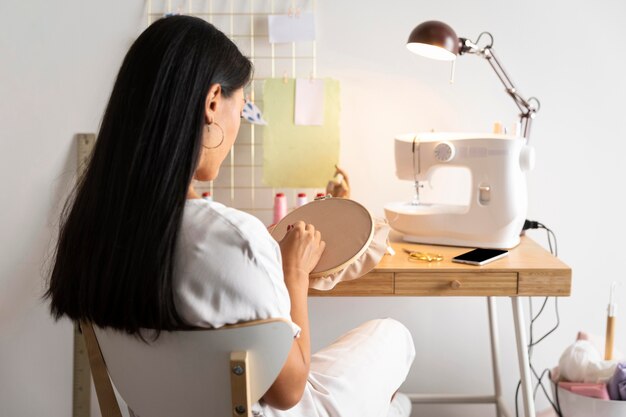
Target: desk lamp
493, 214
437, 40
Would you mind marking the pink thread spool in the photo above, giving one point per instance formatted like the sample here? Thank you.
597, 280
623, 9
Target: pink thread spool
280, 207
207, 196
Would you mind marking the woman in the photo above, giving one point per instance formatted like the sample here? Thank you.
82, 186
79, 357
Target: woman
139, 249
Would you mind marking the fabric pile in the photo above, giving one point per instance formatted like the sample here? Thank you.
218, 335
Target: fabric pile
582, 371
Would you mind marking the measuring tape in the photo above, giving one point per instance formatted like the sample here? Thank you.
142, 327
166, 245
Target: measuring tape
81, 386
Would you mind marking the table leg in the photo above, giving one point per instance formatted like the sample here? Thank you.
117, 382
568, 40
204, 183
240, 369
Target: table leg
495, 353
522, 355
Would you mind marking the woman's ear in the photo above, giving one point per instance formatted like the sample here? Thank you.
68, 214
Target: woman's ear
212, 102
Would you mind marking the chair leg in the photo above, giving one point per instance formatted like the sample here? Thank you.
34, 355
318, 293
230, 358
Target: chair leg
104, 389
240, 385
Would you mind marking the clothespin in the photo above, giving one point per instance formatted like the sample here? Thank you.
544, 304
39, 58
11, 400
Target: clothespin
285, 77
311, 77
294, 12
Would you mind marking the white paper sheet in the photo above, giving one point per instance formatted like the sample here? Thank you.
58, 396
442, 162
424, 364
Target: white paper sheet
284, 28
309, 106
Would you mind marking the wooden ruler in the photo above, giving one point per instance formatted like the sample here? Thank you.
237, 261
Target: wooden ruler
81, 387
86, 142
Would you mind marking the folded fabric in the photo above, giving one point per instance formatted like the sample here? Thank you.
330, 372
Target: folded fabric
362, 265
617, 384
582, 362
586, 389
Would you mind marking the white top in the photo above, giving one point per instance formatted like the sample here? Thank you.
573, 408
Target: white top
228, 268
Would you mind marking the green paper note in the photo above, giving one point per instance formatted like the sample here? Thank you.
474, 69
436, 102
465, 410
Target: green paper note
298, 156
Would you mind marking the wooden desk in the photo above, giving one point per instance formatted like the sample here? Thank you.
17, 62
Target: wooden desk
528, 270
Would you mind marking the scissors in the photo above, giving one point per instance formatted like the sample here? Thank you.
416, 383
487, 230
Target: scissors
423, 256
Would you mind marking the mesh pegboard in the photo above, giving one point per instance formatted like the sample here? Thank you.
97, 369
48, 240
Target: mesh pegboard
240, 182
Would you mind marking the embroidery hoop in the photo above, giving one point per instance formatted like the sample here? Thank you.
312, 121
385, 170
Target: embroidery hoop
346, 226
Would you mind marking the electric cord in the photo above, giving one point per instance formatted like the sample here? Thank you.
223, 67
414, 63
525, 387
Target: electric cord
532, 224
558, 322
553, 247
531, 344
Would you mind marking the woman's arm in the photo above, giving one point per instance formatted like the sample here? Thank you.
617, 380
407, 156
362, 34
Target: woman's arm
301, 249
287, 390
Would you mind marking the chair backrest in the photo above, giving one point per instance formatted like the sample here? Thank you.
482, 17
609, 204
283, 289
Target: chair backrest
211, 372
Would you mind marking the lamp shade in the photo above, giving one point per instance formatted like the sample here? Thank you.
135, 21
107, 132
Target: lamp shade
434, 39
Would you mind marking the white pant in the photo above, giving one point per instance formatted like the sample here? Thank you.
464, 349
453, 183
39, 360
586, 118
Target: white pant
357, 374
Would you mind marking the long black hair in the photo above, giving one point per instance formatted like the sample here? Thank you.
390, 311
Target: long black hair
114, 258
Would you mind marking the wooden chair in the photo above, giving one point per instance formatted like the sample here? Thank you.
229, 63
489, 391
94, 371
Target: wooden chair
212, 372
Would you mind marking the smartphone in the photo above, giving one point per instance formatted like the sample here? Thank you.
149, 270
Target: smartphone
480, 256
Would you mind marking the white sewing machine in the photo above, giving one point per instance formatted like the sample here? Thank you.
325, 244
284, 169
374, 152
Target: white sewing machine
495, 213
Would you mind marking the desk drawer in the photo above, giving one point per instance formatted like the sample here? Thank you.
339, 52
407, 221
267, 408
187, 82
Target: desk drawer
372, 284
456, 283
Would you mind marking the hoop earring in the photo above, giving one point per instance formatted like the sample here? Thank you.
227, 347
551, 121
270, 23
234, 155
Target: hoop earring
221, 141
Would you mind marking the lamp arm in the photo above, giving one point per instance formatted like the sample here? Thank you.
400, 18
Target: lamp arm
527, 109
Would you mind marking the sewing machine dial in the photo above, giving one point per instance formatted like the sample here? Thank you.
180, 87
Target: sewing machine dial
444, 152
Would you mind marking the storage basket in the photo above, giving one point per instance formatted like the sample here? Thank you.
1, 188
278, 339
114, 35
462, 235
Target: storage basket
574, 405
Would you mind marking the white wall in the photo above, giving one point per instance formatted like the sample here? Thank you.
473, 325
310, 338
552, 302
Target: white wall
57, 64
560, 51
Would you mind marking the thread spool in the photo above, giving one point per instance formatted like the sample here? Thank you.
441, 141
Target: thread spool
280, 207
301, 200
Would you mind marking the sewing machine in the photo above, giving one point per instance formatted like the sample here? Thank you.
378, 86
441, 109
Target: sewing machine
495, 213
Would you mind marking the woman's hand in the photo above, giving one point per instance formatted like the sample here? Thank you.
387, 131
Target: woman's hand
301, 249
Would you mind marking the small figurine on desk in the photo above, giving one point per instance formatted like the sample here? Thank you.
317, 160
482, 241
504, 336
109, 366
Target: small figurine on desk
339, 186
